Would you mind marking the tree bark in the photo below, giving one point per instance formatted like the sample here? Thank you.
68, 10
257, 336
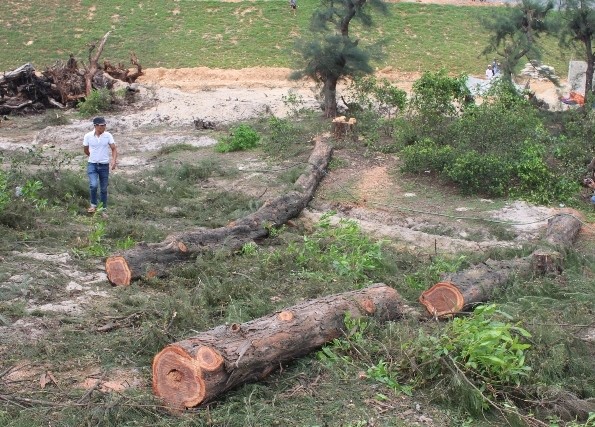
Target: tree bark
329, 91
197, 370
94, 63
477, 284
150, 260
590, 67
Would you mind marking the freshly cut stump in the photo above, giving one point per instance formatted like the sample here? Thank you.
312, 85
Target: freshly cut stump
442, 299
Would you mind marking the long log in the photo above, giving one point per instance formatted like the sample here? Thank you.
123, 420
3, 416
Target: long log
197, 370
460, 291
150, 260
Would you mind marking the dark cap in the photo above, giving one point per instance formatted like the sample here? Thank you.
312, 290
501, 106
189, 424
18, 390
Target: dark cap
98, 121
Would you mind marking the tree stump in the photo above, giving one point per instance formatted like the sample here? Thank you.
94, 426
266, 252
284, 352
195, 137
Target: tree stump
197, 370
544, 262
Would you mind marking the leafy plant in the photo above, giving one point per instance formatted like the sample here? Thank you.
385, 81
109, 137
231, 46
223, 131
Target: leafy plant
483, 174
381, 373
380, 95
249, 248
486, 352
99, 100
243, 137
294, 102
343, 248
426, 155
353, 335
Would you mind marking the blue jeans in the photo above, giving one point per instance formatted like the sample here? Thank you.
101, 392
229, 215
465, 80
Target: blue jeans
98, 174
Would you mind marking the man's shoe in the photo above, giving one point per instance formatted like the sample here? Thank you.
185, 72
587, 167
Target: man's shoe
92, 209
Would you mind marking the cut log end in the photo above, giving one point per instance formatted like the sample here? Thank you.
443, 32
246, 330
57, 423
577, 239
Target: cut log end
208, 359
177, 379
118, 272
368, 306
442, 299
285, 316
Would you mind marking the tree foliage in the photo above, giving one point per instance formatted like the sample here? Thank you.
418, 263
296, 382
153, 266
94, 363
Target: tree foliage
515, 32
578, 27
330, 54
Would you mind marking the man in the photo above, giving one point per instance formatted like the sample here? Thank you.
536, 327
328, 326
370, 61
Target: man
489, 72
97, 145
591, 184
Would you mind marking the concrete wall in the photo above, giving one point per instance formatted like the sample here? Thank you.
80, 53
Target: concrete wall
576, 76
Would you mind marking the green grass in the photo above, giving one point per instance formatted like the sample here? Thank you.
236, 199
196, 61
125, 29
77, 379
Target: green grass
235, 35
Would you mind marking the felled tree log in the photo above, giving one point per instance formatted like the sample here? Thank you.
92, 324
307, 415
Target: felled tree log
150, 260
477, 284
197, 370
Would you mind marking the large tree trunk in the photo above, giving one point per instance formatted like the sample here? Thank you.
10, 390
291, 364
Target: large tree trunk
149, 260
590, 67
459, 291
330, 96
195, 371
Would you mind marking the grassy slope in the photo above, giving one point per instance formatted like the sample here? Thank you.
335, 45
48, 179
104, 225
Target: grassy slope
235, 35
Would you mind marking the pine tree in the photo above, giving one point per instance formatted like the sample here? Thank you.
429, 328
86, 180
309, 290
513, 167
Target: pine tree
578, 26
330, 54
515, 32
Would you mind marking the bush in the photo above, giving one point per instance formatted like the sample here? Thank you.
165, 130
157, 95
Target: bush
426, 155
476, 173
242, 137
380, 96
536, 182
496, 127
282, 135
97, 101
480, 357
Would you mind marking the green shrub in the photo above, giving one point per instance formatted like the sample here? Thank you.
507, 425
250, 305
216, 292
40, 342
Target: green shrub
282, 135
426, 155
481, 356
243, 137
98, 101
370, 94
438, 95
342, 250
493, 127
476, 173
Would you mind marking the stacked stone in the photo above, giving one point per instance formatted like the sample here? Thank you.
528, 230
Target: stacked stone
538, 71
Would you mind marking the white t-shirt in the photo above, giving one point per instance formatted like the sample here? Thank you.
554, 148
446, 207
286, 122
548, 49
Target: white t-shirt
98, 146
